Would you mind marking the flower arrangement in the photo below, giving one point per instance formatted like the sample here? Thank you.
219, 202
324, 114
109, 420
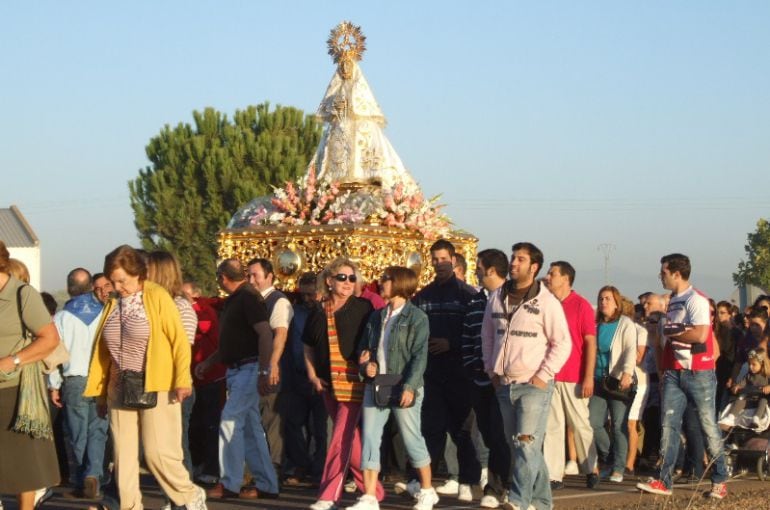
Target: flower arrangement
308, 201
407, 208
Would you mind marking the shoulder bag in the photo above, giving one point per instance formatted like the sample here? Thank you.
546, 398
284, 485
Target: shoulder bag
611, 388
58, 356
131, 382
388, 389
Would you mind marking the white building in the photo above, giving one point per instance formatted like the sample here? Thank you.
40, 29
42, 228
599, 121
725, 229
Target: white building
21, 241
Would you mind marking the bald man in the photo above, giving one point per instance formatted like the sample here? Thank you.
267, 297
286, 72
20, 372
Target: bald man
77, 323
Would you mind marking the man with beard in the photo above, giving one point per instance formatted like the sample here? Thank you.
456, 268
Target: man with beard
525, 342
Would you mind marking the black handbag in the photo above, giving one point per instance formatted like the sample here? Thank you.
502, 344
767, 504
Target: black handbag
131, 382
132, 391
611, 388
388, 389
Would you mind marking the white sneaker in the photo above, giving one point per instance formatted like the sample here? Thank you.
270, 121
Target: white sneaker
41, 496
449, 488
508, 505
322, 504
489, 501
350, 487
198, 504
426, 498
571, 468
365, 502
484, 479
411, 488
464, 492
167, 506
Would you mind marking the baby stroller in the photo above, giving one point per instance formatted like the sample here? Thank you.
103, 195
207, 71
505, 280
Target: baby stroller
748, 440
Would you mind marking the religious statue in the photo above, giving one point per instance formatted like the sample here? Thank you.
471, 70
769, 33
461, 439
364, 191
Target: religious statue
354, 149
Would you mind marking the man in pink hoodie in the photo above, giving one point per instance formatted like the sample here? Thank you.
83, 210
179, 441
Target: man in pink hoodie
525, 342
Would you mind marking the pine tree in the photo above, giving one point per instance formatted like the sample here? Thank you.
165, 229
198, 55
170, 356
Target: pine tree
201, 174
755, 270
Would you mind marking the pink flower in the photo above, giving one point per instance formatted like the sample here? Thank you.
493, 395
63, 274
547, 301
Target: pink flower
398, 192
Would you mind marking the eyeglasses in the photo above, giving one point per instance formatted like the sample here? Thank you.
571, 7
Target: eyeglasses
342, 277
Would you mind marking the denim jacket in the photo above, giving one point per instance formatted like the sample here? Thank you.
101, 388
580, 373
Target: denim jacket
408, 344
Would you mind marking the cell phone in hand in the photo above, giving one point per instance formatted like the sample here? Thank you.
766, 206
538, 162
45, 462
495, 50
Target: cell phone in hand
673, 328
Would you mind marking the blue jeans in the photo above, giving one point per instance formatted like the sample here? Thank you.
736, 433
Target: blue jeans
682, 387
241, 436
598, 406
408, 420
88, 432
525, 413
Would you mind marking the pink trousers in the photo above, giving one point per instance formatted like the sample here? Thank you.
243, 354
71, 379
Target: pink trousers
344, 450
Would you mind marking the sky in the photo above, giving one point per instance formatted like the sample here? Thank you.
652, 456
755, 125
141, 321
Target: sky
640, 125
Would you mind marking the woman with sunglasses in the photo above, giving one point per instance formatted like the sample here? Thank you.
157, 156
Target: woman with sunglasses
331, 338
396, 342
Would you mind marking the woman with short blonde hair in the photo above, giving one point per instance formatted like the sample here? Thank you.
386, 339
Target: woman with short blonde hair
331, 338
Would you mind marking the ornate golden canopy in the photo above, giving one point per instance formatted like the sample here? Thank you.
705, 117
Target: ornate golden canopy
395, 224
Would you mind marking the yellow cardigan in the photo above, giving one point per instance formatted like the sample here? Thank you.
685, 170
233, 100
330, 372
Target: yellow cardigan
168, 350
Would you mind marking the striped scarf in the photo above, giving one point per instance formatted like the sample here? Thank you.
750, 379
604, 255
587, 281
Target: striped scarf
346, 384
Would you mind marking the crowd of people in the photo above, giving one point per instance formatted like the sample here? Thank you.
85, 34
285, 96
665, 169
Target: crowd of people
508, 386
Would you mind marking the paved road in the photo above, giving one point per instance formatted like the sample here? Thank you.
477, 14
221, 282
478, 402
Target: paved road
573, 497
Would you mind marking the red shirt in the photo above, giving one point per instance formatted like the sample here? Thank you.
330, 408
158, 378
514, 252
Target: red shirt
207, 339
581, 322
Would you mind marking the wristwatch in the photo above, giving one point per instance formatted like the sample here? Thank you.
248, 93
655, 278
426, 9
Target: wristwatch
16, 361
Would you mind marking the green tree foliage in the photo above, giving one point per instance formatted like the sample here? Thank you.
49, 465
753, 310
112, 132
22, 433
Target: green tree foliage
756, 269
201, 174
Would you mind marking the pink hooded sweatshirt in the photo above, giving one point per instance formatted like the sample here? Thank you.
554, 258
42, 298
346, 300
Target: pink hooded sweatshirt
536, 341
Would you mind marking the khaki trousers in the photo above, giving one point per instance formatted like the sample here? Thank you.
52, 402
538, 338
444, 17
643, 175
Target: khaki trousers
568, 408
161, 437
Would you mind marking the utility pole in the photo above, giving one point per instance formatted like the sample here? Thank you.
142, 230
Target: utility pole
606, 249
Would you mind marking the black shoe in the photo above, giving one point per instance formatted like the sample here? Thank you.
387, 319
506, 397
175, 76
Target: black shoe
592, 481
557, 485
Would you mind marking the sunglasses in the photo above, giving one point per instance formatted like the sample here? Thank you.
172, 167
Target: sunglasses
342, 277
386, 278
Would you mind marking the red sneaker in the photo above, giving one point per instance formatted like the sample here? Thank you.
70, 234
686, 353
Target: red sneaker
718, 491
654, 487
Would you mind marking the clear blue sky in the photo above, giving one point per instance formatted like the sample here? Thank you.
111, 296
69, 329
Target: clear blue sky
569, 124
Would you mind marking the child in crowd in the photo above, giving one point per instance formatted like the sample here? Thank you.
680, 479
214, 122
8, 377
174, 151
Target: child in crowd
755, 382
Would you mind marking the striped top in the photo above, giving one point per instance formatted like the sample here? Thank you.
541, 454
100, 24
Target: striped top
346, 384
136, 333
471, 339
189, 317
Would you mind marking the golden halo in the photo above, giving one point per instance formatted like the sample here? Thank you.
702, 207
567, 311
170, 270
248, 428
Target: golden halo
346, 41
